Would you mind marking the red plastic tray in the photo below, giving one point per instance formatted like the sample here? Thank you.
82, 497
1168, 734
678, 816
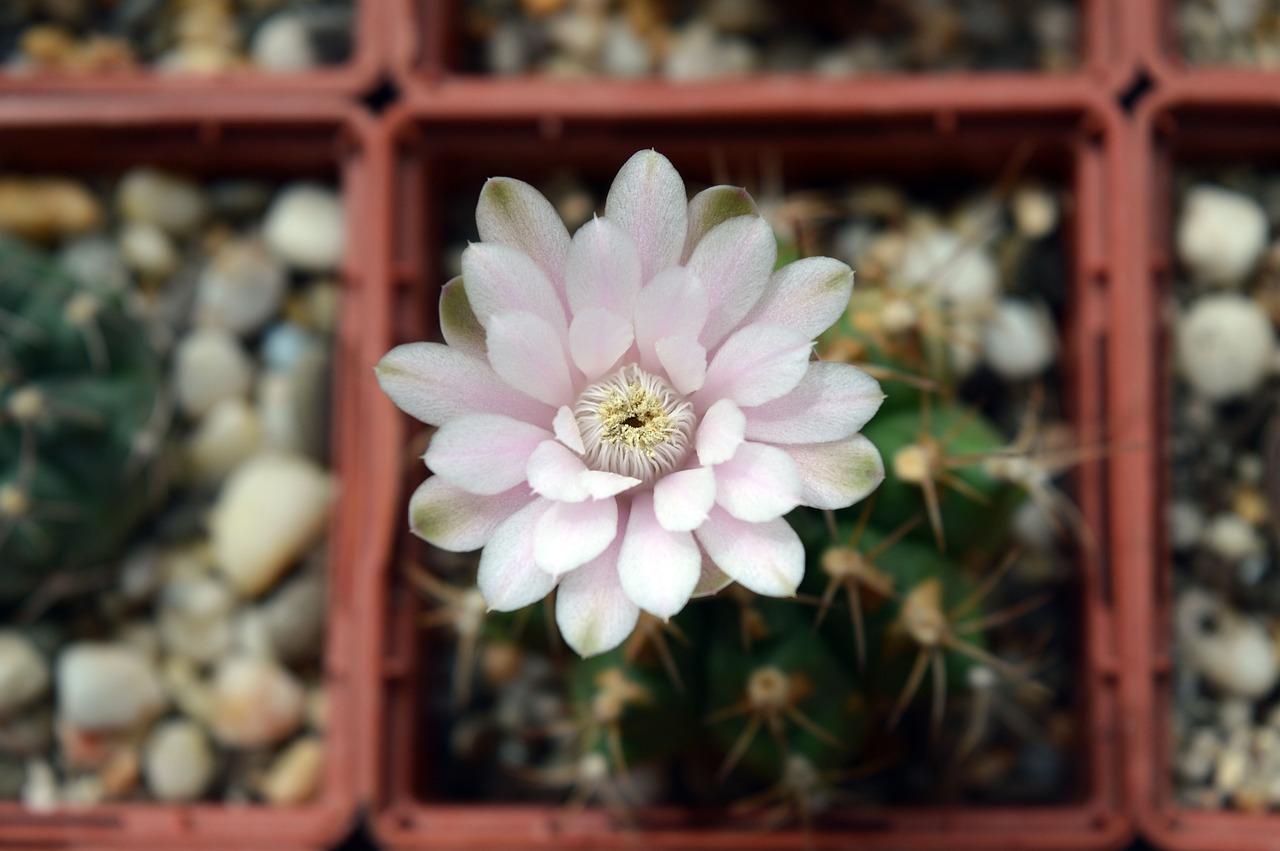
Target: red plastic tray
354, 77
271, 139
891, 129
1181, 125
424, 55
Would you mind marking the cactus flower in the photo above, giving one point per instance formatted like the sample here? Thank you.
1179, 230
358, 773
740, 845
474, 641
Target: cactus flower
625, 415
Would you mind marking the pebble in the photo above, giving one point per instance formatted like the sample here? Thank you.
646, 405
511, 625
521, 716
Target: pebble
940, 260
1186, 524
624, 53
1239, 16
1019, 340
210, 366
294, 777
194, 617
306, 227
148, 250
256, 703
40, 791
1035, 211
1221, 235
24, 674
43, 208
293, 405
270, 511
294, 619
1224, 345
282, 44
507, 49
241, 288
96, 262
1232, 537
104, 686
229, 433
698, 52
167, 201
1232, 651
178, 761
285, 345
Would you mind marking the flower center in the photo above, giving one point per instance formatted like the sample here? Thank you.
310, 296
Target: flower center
634, 424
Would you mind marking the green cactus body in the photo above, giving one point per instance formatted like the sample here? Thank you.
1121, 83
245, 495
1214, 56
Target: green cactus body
81, 417
970, 525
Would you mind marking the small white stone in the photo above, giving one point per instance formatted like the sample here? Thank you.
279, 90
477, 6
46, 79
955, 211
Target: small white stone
1239, 16
1018, 339
1235, 713
579, 36
229, 433
24, 674
293, 405
40, 791
306, 227
284, 345
1224, 346
294, 777
153, 197
1033, 526
241, 288
104, 687
97, 262
1232, 537
294, 619
507, 49
283, 44
1233, 652
624, 53
255, 703
271, 509
191, 694
1186, 525
194, 616
1221, 235
964, 275
210, 366
1035, 211
148, 250
178, 763
698, 52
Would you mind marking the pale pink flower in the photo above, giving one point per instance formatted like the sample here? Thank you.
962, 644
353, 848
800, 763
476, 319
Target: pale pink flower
626, 415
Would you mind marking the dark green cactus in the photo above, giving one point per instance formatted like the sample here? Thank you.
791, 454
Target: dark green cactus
81, 420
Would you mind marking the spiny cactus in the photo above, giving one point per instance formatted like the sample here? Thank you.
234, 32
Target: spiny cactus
81, 420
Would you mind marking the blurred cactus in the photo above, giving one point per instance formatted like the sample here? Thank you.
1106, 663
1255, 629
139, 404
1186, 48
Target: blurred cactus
82, 419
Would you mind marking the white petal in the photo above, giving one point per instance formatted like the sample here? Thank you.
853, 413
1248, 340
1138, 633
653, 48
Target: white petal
836, 475
600, 484
483, 453
453, 519
556, 473
647, 199
436, 383
734, 262
503, 280
603, 269
766, 558
512, 212
658, 569
593, 612
685, 361
527, 354
682, 499
571, 534
712, 580
462, 330
712, 206
831, 402
674, 304
808, 295
757, 364
508, 578
759, 483
720, 433
597, 339
567, 431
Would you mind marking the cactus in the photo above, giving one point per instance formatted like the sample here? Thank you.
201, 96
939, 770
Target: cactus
780, 702
81, 421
